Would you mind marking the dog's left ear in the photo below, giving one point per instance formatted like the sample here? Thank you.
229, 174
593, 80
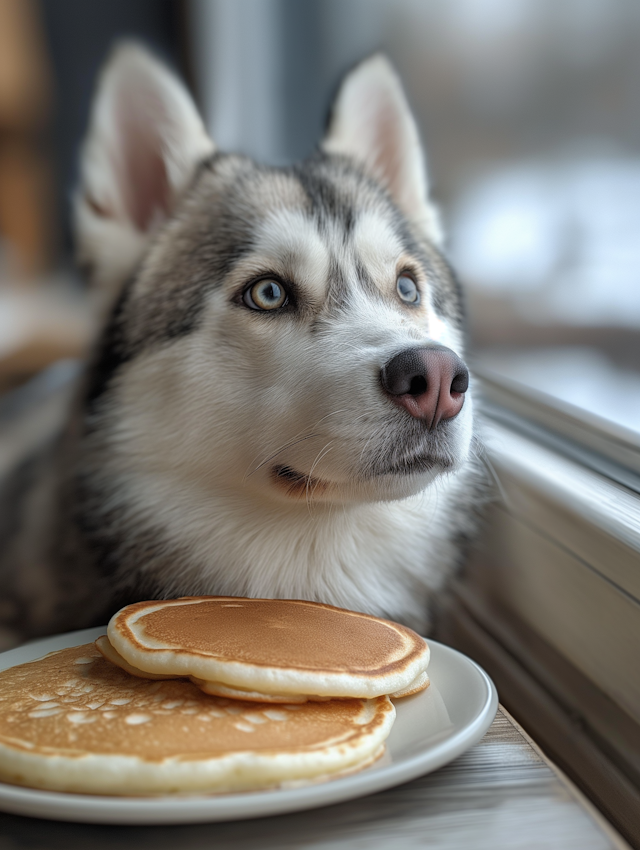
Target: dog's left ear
371, 121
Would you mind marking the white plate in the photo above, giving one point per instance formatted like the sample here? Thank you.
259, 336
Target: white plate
431, 729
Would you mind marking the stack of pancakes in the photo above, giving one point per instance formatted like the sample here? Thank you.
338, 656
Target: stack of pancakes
209, 694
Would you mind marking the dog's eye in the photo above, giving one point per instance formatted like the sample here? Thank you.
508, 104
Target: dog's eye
266, 294
407, 289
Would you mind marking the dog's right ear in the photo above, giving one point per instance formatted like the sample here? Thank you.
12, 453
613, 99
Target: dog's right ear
144, 142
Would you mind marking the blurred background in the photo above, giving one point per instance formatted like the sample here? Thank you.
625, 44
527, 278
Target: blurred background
529, 110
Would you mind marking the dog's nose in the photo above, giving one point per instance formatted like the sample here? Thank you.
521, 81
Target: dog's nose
429, 383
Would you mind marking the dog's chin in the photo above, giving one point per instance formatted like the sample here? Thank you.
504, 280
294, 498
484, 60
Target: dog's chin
397, 480
402, 480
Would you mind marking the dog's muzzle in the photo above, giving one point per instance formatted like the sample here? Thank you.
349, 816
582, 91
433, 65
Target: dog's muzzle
428, 382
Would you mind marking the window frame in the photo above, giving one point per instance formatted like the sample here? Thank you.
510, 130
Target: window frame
573, 479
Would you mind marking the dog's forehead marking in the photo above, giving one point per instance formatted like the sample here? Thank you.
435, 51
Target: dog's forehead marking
273, 189
288, 240
322, 254
377, 245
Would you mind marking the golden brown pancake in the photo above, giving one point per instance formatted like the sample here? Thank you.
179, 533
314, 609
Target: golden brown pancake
103, 645
421, 683
72, 721
270, 646
217, 689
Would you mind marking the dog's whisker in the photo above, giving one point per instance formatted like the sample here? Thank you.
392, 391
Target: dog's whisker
327, 415
482, 457
365, 447
322, 453
283, 447
297, 439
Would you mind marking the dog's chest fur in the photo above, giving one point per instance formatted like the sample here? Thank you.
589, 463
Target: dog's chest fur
385, 558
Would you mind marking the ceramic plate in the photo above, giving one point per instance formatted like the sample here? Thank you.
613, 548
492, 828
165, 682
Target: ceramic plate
431, 729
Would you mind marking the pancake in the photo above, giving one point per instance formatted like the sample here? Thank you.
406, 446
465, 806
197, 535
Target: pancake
420, 683
103, 645
218, 689
270, 646
72, 721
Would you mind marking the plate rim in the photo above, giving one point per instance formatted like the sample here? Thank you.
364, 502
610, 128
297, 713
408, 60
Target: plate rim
167, 809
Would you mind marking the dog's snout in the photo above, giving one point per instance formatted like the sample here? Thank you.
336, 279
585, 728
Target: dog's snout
429, 382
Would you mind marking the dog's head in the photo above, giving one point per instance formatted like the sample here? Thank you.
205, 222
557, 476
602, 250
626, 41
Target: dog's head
289, 333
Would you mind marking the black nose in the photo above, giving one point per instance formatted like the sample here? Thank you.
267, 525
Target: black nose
429, 383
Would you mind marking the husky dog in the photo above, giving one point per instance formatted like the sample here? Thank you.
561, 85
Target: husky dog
278, 403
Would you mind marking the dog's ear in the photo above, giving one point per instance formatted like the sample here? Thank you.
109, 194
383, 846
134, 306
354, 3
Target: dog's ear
371, 121
144, 142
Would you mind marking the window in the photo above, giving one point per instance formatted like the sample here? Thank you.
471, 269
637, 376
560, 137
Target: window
530, 112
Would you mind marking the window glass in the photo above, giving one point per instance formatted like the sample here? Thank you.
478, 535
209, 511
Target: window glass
530, 110
532, 117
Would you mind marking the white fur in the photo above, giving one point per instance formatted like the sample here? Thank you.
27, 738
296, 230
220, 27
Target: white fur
383, 558
288, 242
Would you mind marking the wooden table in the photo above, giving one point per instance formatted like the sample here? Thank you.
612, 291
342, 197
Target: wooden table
503, 793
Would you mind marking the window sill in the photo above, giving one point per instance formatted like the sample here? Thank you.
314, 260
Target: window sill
549, 603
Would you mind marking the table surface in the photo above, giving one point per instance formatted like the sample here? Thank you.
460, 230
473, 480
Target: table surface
503, 793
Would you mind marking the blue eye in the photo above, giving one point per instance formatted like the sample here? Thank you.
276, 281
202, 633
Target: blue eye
266, 294
407, 289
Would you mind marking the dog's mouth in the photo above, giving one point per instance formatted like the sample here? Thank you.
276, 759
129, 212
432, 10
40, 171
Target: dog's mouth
410, 466
416, 464
297, 485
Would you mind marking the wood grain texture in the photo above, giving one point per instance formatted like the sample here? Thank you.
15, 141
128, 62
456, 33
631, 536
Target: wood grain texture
579, 726
500, 794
